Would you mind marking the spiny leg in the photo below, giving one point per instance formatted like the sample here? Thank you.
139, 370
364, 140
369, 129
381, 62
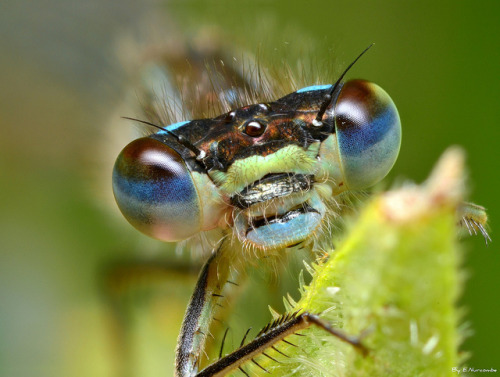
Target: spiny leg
200, 312
276, 331
473, 218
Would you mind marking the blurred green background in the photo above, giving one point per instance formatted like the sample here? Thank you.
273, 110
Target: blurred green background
63, 75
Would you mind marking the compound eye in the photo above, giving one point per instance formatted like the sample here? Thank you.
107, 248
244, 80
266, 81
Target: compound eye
368, 133
155, 191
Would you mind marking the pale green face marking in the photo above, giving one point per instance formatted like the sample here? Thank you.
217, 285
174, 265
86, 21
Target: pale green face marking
290, 159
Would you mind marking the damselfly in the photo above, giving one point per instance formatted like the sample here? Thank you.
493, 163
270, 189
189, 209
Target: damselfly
260, 179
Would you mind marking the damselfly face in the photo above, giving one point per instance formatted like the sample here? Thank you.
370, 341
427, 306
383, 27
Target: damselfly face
268, 171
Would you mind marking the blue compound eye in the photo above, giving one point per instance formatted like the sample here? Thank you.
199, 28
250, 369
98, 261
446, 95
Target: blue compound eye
368, 133
155, 191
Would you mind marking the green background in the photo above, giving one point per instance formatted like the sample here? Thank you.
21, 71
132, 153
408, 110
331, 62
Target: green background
62, 77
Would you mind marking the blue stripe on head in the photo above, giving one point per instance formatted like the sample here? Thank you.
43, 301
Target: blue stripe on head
173, 127
313, 88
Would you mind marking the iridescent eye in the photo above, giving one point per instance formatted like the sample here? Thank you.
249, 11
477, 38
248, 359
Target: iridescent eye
368, 133
254, 128
155, 191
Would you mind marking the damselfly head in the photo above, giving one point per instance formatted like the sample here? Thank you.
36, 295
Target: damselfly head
267, 171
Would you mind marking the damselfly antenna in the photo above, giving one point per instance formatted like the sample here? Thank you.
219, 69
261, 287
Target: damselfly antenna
329, 96
180, 139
